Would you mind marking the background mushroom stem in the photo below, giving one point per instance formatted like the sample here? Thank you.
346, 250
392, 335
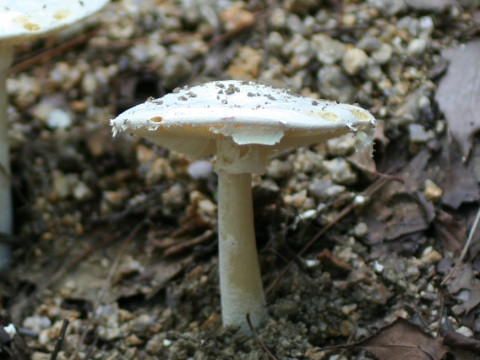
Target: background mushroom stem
6, 56
241, 287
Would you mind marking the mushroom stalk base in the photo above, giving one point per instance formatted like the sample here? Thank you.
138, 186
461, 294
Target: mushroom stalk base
240, 281
6, 56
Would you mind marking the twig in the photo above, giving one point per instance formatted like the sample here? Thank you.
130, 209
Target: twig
52, 52
61, 337
473, 234
368, 192
265, 350
177, 248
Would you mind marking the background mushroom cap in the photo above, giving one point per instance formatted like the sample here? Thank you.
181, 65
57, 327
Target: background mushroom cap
192, 119
24, 19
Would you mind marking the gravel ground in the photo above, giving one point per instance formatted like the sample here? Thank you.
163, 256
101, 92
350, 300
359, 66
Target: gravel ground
118, 235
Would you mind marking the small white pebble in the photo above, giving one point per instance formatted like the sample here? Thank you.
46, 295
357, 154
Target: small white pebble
360, 230
349, 308
378, 267
430, 255
360, 200
432, 191
416, 47
307, 215
81, 191
10, 330
465, 331
59, 119
312, 263
37, 323
354, 60
167, 342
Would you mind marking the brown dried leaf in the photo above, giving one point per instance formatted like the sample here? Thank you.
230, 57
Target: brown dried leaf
470, 296
458, 93
410, 213
400, 208
403, 340
471, 301
464, 279
451, 231
399, 341
463, 347
458, 183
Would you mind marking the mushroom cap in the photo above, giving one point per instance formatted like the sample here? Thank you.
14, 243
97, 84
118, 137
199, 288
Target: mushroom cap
192, 120
21, 20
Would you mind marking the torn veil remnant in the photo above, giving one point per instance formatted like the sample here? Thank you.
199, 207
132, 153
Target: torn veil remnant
243, 124
22, 21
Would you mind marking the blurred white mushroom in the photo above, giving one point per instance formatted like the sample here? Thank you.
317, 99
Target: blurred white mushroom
20, 22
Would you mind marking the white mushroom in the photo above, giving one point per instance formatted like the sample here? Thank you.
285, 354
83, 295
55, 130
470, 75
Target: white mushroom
21, 21
243, 124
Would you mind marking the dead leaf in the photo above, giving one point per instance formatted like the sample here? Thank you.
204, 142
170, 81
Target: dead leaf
474, 159
399, 341
466, 281
451, 231
410, 213
456, 340
404, 340
400, 208
458, 183
458, 93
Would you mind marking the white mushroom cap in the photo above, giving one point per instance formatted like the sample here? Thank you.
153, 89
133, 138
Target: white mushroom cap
243, 123
191, 121
24, 19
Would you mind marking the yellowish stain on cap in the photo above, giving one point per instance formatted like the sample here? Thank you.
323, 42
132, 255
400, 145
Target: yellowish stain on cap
31, 26
332, 117
61, 14
27, 25
360, 115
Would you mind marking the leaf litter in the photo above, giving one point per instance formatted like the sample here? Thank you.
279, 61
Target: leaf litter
405, 340
458, 93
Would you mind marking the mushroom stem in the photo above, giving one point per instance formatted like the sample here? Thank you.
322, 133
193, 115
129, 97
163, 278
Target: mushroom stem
241, 287
6, 56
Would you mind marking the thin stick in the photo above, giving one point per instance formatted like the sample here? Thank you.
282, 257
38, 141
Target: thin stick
52, 52
61, 337
176, 248
265, 350
471, 236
